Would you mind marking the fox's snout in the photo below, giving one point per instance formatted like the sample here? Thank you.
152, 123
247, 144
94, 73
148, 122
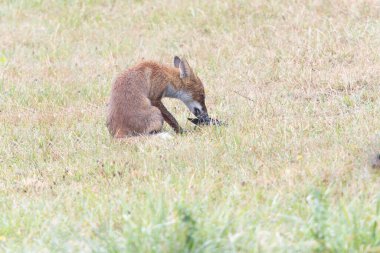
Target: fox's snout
201, 114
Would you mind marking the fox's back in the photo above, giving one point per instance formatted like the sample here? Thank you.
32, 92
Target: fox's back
132, 92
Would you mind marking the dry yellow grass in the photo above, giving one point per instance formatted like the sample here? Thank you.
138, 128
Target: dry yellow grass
297, 81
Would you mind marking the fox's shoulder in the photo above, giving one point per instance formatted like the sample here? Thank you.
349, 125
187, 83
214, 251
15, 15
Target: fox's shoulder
149, 64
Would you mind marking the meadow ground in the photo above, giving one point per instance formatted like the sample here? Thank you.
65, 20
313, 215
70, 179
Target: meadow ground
297, 81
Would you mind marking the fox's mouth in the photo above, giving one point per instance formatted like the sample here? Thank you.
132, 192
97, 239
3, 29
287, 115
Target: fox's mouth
202, 117
206, 120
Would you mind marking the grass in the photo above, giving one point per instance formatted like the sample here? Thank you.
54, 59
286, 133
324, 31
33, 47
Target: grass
297, 81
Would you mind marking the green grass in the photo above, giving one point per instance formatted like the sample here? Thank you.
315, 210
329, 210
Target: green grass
297, 81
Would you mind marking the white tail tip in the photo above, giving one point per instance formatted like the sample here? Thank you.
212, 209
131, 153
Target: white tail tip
164, 135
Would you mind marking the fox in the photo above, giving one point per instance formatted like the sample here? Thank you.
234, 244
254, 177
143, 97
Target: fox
135, 106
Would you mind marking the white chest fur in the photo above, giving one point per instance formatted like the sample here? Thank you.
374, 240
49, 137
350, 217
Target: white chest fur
184, 96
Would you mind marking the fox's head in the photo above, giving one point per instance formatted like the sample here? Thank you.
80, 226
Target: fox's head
192, 92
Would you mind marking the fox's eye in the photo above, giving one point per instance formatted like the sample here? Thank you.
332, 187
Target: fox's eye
197, 111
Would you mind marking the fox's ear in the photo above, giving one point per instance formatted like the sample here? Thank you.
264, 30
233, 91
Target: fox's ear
177, 60
184, 69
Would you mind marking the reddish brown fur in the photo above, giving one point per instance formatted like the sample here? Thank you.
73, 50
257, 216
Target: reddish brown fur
135, 105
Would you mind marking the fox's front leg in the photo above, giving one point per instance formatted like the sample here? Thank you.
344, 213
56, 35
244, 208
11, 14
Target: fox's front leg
168, 117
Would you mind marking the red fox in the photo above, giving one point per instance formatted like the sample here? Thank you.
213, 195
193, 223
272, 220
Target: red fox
135, 106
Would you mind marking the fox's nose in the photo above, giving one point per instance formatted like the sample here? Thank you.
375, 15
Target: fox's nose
202, 116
